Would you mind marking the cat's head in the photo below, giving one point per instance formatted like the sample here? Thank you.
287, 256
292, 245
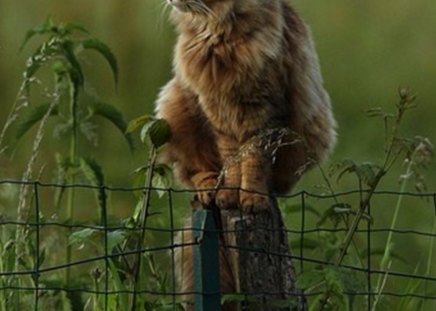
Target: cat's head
217, 8
224, 13
201, 7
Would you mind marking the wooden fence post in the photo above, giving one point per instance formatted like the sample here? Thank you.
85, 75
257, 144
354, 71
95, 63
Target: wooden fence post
255, 248
258, 250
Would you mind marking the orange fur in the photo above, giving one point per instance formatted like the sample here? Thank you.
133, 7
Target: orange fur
246, 106
242, 67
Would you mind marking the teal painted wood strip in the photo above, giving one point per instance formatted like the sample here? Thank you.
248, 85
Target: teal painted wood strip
206, 262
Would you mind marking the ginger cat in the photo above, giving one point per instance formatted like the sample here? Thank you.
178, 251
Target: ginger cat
246, 84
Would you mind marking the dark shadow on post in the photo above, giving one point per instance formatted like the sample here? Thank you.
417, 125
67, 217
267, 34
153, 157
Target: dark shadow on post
206, 261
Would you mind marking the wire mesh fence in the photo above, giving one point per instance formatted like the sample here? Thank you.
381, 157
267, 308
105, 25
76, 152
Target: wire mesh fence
130, 262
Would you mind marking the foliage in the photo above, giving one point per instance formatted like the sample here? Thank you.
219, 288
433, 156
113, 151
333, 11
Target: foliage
336, 284
74, 113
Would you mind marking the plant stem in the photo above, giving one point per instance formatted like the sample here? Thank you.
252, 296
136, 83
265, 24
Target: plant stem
143, 222
73, 160
363, 205
3, 293
388, 162
381, 286
385, 262
430, 261
96, 296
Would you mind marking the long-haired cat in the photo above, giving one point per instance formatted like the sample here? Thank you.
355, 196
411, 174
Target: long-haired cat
247, 106
244, 72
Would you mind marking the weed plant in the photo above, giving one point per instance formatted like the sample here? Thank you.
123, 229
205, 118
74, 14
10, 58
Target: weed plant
336, 283
65, 101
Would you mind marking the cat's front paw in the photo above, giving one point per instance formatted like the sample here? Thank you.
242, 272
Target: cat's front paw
206, 191
205, 196
227, 198
252, 203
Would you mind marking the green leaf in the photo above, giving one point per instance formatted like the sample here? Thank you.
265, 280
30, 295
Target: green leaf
115, 238
374, 112
162, 178
138, 180
340, 280
39, 30
378, 112
380, 251
63, 171
8, 254
353, 281
407, 303
94, 173
334, 277
30, 34
138, 208
297, 208
346, 166
81, 236
72, 27
158, 131
334, 213
307, 243
309, 279
33, 116
105, 51
113, 115
119, 286
42, 257
136, 123
367, 172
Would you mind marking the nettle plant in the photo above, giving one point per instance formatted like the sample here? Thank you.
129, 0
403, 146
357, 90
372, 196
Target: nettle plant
66, 102
335, 283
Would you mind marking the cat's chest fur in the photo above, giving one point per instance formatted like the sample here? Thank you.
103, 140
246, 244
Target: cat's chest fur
229, 78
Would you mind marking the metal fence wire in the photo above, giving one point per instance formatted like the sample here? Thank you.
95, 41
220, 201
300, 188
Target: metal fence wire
101, 272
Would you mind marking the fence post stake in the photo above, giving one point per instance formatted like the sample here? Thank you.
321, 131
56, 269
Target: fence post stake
258, 249
206, 262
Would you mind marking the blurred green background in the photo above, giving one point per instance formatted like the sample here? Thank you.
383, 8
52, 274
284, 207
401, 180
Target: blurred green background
367, 50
